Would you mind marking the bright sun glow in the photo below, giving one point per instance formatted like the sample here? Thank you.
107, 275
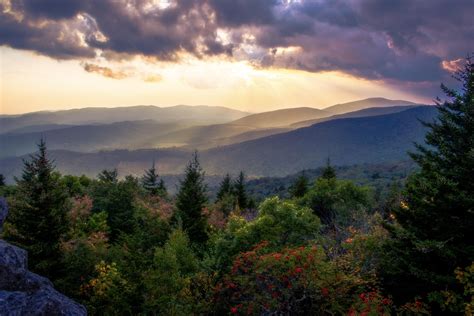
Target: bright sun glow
31, 83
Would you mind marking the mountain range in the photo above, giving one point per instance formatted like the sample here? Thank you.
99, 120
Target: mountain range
87, 116
272, 143
201, 127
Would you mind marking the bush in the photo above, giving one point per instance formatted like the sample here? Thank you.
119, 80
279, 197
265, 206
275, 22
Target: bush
281, 223
297, 281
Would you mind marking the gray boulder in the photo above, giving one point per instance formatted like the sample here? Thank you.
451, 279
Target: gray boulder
23, 292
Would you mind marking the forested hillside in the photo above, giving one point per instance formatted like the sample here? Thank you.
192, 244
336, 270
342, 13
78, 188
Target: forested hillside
349, 141
395, 240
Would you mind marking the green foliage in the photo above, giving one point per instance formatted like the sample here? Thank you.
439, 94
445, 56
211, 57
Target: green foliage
328, 172
107, 291
168, 282
299, 187
38, 213
226, 204
466, 278
292, 281
240, 192
152, 182
435, 220
76, 186
122, 247
190, 202
117, 199
225, 188
334, 201
281, 223
108, 176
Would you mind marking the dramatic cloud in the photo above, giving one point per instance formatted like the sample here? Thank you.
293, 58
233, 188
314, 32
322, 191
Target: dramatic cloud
400, 40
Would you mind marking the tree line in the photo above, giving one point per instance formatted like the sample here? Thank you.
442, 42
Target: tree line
126, 246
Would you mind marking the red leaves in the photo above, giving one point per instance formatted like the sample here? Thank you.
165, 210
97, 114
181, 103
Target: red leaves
235, 309
386, 301
371, 303
325, 292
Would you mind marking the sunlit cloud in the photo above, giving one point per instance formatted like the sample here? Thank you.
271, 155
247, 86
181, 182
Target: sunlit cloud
105, 71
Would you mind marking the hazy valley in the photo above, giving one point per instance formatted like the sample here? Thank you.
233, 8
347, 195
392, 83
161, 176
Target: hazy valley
275, 143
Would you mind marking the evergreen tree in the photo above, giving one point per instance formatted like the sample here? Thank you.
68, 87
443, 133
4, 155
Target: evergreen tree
117, 199
328, 172
300, 186
225, 188
38, 213
162, 191
108, 176
190, 202
2, 180
241, 192
152, 182
436, 218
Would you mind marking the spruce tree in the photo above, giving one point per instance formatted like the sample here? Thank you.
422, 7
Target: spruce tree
328, 171
225, 188
190, 202
152, 182
108, 176
241, 192
38, 213
2, 180
435, 227
300, 186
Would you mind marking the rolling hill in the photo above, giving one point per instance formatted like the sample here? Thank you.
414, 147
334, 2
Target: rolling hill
376, 139
88, 138
87, 116
365, 104
359, 113
280, 118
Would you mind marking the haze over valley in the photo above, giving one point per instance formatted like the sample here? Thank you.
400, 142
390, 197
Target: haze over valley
85, 141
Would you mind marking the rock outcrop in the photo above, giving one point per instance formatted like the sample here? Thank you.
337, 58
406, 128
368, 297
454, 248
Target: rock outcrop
23, 292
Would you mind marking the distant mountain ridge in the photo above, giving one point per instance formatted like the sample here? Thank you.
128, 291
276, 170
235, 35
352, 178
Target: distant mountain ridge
180, 113
280, 118
365, 104
347, 141
375, 139
153, 127
359, 113
89, 138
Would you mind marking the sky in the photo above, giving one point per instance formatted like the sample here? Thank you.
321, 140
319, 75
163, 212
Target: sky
252, 55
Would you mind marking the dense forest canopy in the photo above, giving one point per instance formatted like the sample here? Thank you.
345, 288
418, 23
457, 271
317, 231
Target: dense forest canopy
324, 246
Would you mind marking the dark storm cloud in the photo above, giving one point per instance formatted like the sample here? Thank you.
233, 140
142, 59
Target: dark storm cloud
405, 40
55, 9
240, 12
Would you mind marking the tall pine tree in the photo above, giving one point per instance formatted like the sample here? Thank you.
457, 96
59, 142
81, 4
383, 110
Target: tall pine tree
38, 213
2, 180
241, 192
108, 176
225, 188
190, 202
328, 171
300, 186
436, 217
152, 182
